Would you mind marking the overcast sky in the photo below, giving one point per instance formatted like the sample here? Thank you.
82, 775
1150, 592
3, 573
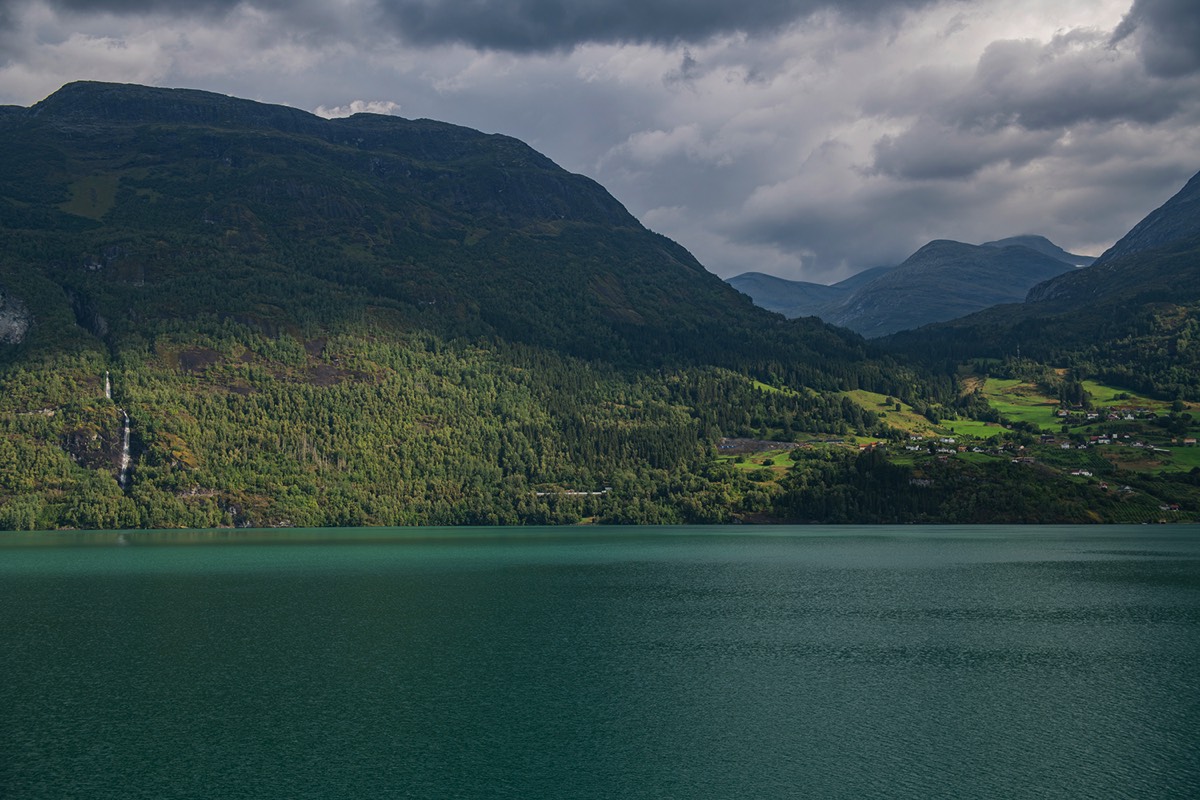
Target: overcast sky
805, 138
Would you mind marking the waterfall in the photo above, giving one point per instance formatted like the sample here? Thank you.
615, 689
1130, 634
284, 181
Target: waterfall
107, 386
123, 476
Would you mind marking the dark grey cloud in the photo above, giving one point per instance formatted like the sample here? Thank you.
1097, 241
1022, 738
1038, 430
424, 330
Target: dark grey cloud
523, 26
541, 25
303, 13
929, 151
516, 25
1071, 79
1167, 34
172, 7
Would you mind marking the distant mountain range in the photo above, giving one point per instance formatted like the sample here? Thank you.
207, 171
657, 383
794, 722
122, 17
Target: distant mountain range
1132, 317
941, 281
796, 299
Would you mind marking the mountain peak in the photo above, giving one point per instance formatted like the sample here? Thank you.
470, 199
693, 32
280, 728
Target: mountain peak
1044, 246
111, 102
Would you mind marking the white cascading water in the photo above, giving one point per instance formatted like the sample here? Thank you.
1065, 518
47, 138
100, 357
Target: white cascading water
107, 387
123, 476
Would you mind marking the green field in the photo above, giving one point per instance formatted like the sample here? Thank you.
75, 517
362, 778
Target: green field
1184, 459
1020, 401
973, 428
904, 419
768, 458
1106, 396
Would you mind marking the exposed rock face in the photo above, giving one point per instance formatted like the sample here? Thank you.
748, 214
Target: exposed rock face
14, 319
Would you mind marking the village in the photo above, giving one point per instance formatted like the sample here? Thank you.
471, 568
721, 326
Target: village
1108, 446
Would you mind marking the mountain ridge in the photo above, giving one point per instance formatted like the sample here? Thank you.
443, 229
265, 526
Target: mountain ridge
403, 188
942, 280
1045, 247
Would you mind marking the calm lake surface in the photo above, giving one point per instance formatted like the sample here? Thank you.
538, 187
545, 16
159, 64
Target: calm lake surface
602, 663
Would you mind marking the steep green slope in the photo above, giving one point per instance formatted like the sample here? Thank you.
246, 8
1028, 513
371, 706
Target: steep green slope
149, 203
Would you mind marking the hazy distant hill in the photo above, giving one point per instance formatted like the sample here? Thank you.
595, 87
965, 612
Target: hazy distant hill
942, 280
799, 298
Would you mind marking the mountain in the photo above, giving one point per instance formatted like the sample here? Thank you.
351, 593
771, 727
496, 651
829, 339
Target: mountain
1045, 247
144, 202
220, 312
791, 298
1130, 318
1130, 265
216, 312
1176, 220
796, 299
941, 281
860, 279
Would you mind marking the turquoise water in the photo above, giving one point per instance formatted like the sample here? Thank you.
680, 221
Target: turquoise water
602, 663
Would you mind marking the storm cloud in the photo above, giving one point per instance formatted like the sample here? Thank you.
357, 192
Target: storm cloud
808, 138
523, 25
1167, 33
538, 25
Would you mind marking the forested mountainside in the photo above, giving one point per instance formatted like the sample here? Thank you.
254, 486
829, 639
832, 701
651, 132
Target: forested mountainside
370, 319
145, 204
215, 312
